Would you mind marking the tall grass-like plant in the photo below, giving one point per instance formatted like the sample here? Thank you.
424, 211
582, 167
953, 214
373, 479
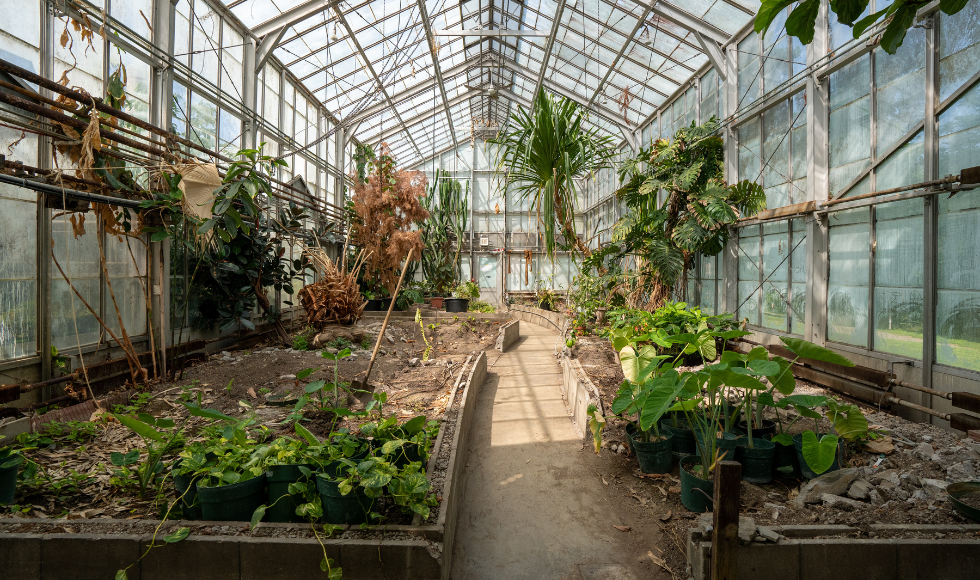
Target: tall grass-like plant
448, 206
543, 151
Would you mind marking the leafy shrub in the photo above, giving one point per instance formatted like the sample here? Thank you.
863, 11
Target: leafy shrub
481, 306
637, 328
467, 290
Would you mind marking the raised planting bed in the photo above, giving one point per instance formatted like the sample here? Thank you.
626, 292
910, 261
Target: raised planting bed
507, 335
901, 483
887, 551
398, 548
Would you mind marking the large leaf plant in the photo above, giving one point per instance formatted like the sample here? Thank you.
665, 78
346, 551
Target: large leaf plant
695, 211
447, 202
543, 152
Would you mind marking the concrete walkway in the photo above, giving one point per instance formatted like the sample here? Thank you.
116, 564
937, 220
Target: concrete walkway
532, 507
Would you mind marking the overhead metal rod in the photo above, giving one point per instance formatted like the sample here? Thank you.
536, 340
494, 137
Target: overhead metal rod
555, 25
686, 20
612, 67
293, 16
438, 70
377, 79
492, 33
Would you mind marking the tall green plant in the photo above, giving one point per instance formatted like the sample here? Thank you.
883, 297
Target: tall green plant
448, 205
694, 216
543, 151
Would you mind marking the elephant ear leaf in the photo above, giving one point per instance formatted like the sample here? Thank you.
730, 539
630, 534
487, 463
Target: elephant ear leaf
819, 455
633, 363
804, 349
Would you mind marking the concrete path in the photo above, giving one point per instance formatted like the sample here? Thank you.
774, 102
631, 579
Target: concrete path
532, 507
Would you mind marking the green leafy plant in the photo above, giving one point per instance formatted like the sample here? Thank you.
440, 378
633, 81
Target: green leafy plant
693, 218
480, 306
301, 343
428, 345
159, 437
543, 152
467, 289
899, 16
447, 203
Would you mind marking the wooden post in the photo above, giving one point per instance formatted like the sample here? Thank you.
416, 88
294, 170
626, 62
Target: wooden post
724, 538
384, 325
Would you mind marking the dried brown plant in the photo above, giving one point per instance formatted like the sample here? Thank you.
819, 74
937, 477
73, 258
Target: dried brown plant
387, 205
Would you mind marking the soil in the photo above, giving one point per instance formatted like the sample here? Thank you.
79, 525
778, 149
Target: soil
770, 504
77, 462
971, 499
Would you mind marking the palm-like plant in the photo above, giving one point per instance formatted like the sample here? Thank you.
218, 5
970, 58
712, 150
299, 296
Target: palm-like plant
694, 217
543, 152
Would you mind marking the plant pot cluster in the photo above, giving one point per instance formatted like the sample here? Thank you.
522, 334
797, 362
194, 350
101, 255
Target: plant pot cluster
693, 414
337, 481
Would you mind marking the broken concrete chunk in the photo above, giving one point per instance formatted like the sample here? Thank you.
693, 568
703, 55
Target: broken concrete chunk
935, 489
841, 502
962, 471
924, 451
413, 362
833, 483
768, 534
859, 490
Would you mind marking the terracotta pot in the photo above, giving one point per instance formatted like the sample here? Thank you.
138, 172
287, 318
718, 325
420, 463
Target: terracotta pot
437, 302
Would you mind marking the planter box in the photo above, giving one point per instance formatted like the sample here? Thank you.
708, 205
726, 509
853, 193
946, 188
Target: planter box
227, 550
800, 555
508, 335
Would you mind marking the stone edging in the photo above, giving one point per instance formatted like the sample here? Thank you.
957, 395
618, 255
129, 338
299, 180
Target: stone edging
806, 553
507, 335
416, 552
538, 316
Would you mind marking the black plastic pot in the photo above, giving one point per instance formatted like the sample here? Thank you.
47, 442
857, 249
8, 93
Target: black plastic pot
282, 504
339, 509
231, 503
756, 462
804, 468
767, 430
8, 483
408, 453
186, 488
373, 306
653, 456
786, 462
696, 494
456, 304
727, 443
544, 306
682, 440
386, 303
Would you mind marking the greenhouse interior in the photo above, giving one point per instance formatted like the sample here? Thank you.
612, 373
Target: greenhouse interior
490, 289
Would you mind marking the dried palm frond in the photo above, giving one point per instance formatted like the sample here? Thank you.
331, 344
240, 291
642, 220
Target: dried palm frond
336, 298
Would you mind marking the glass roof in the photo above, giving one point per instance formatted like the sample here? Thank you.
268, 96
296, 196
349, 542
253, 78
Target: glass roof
371, 63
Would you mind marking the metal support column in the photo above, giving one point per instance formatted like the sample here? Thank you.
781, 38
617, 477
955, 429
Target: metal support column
44, 243
930, 214
817, 186
729, 258
250, 95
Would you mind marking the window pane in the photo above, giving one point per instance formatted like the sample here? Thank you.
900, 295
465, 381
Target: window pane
959, 134
959, 48
775, 272
847, 306
898, 278
850, 123
958, 282
72, 323
900, 83
18, 274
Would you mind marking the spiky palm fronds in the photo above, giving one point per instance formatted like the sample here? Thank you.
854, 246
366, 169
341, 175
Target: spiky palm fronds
543, 152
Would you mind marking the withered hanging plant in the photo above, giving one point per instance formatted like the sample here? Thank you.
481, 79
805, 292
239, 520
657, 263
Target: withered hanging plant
386, 206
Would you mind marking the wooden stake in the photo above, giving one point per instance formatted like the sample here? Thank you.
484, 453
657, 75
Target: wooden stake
384, 325
724, 538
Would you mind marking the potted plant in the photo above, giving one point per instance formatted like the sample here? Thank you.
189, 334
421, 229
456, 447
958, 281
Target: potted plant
462, 294
288, 469
373, 301
547, 299
231, 485
10, 461
441, 231
649, 390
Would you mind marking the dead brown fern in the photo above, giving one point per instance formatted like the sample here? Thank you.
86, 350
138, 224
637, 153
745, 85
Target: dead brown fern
387, 205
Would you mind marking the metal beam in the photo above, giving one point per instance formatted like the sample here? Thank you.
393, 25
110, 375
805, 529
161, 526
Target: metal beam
377, 79
428, 115
686, 20
713, 51
548, 47
491, 33
622, 51
438, 69
293, 16
265, 48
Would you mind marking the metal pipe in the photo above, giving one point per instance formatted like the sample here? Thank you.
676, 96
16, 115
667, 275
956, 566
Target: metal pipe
897, 401
23, 104
924, 184
72, 193
934, 392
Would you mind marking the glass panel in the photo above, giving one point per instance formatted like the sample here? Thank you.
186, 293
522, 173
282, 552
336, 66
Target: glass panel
749, 150
18, 275
748, 70
900, 82
204, 122
232, 55
775, 272
847, 306
959, 48
898, 278
206, 31
488, 271
798, 259
126, 263
72, 324
959, 134
958, 282
749, 274
850, 123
